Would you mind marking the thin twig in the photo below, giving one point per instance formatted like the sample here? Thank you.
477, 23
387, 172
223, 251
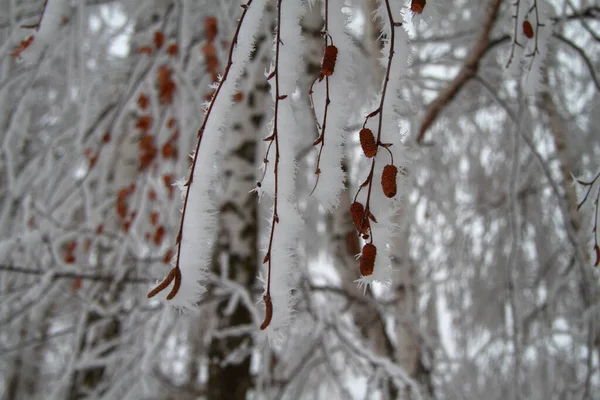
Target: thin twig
274, 138
393, 26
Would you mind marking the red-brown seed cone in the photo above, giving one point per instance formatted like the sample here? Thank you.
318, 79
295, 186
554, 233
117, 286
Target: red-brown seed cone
329, 59
367, 259
527, 29
358, 211
388, 180
417, 6
368, 143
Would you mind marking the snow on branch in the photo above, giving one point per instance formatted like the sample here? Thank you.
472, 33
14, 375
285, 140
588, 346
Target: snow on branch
279, 164
46, 29
529, 45
198, 221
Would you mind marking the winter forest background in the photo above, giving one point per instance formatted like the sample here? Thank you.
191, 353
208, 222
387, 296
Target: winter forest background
483, 286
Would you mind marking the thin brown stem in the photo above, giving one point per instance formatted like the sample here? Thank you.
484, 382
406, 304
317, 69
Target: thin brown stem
327, 100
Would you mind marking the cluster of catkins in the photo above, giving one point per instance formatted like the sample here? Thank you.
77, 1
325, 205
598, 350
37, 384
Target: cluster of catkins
362, 215
370, 145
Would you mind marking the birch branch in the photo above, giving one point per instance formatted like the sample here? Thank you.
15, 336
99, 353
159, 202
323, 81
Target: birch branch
468, 71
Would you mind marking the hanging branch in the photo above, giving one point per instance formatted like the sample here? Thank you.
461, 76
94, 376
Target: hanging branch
273, 138
362, 215
214, 118
327, 68
286, 223
331, 93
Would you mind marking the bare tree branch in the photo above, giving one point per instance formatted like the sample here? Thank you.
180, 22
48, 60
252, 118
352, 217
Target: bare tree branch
468, 71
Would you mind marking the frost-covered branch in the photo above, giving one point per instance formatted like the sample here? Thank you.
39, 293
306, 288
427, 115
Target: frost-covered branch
279, 180
331, 106
379, 229
194, 237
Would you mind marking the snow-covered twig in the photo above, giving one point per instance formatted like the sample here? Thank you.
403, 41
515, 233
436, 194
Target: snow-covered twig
285, 221
197, 226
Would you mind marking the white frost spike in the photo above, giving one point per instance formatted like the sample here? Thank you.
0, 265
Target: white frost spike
200, 218
283, 261
331, 179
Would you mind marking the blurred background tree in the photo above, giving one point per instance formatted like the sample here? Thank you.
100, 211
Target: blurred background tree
493, 292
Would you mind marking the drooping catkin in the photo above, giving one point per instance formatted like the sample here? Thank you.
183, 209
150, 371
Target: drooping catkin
388, 180
368, 143
329, 59
268, 312
367, 259
358, 217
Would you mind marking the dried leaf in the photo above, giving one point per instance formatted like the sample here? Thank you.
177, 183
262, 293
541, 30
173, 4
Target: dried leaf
22, 46
172, 50
159, 39
210, 28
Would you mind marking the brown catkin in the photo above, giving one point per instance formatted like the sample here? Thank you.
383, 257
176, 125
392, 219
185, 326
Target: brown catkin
210, 28
358, 212
527, 29
329, 59
388, 180
368, 143
367, 259
417, 6
268, 312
